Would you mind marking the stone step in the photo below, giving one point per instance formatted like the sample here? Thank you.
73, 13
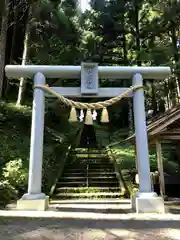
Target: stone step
95, 148
91, 167
89, 178
88, 153
75, 170
88, 150
88, 174
76, 166
90, 184
98, 174
87, 161
101, 165
87, 195
89, 164
89, 156
87, 189
80, 161
82, 151
84, 158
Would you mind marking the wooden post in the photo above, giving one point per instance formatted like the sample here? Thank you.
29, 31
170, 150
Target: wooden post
160, 167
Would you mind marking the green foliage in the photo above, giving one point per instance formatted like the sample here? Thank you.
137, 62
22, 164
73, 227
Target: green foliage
16, 174
49, 43
15, 125
112, 32
125, 157
8, 193
133, 188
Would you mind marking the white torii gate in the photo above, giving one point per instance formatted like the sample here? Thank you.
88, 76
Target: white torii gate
144, 200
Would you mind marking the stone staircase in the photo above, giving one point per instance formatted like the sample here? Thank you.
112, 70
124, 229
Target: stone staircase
88, 173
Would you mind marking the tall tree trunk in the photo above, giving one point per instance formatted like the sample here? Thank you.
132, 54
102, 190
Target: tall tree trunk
13, 39
124, 40
154, 102
125, 52
172, 91
22, 85
138, 42
166, 93
170, 94
3, 36
11, 35
176, 56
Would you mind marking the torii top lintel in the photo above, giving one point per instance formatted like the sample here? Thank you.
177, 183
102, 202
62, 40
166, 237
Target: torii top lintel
74, 72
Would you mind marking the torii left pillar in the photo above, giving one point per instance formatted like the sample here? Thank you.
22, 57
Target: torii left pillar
34, 199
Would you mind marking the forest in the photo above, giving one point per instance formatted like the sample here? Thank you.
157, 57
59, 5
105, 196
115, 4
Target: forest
57, 32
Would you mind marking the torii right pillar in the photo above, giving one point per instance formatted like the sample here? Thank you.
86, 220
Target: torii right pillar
144, 201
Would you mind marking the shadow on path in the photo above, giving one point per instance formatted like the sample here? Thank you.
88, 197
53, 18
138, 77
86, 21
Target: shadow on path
74, 228
93, 220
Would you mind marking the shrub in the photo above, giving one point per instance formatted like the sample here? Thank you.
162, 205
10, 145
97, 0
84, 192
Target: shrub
8, 192
133, 188
16, 174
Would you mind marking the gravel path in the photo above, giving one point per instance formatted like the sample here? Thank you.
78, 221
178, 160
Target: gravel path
78, 229
85, 224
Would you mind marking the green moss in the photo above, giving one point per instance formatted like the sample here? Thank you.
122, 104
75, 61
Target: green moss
15, 128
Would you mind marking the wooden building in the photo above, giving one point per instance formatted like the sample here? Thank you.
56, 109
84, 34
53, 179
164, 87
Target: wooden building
163, 129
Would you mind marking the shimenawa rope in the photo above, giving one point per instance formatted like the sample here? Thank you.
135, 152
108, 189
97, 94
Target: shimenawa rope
80, 105
89, 106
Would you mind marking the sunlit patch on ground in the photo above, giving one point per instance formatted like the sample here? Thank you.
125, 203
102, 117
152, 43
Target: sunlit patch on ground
88, 220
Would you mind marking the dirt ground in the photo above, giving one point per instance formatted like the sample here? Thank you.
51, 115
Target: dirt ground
79, 229
90, 222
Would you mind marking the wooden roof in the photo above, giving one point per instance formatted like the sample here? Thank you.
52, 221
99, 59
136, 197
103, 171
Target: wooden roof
166, 125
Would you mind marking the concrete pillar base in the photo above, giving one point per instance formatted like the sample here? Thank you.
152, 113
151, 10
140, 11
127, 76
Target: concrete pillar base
147, 203
37, 202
